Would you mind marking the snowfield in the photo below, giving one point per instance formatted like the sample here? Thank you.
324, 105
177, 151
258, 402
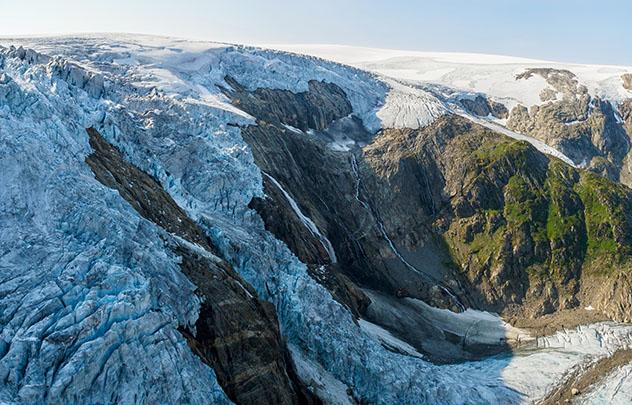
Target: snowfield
90, 295
493, 75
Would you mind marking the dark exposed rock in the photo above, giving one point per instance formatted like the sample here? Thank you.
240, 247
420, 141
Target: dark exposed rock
313, 109
548, 94
328, 190
236, 333
281, 220
477, 106
141, 191
484, 107
498, 110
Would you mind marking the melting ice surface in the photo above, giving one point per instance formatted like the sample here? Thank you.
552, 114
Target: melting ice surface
85, 281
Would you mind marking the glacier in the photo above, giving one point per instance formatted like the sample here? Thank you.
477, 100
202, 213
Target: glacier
90, 295
615, 388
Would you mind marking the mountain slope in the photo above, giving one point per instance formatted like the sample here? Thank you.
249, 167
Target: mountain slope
521, 227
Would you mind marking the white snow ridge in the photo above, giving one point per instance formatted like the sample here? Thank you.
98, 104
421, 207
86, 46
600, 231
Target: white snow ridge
90, 297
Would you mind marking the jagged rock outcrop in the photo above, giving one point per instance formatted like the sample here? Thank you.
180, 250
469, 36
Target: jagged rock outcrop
583, 127
236, 333
483, 107
314, 109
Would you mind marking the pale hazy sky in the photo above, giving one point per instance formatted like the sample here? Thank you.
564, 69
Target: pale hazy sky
596, 31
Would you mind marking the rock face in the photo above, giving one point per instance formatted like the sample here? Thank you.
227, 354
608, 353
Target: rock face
328, 187
313, 109
334, 190
585, 128
281, 220
236, 333
516, 232
531, 234
483, 107
469, 217
627, 81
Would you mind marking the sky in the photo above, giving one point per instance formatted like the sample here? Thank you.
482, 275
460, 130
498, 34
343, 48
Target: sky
559, 30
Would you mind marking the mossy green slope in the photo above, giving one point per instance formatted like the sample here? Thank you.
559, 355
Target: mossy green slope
540, 229
530, 234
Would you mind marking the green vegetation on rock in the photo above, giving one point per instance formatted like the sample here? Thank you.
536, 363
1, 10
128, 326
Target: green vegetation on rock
552, 225
607, 225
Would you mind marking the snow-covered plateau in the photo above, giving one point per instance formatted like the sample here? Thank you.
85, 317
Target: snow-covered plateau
494, 75
91, 298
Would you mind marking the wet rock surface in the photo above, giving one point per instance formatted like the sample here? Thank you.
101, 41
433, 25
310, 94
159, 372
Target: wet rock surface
282, 221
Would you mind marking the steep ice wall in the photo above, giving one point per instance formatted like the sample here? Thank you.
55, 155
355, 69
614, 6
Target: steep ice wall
90, 298
409, 107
